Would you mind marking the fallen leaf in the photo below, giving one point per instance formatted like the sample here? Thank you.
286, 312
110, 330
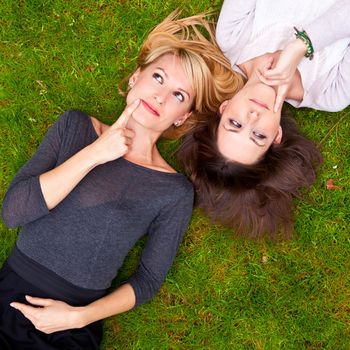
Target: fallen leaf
330, 185
90, 68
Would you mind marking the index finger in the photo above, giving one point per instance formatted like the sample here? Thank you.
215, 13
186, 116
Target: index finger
25, 309
281, 94
124, 117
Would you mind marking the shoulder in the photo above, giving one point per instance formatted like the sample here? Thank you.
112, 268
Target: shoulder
168, 187
73, 122
181, 188
73, 129
72, 117
99, 127
174, 198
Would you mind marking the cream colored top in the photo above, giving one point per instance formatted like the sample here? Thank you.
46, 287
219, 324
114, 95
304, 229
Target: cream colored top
250, 28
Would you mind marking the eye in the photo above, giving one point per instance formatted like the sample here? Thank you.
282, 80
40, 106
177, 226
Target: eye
259, 136
179, 96
158, 77
235, 123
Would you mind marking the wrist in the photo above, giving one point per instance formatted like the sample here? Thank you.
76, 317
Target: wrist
91, 156
302, 36
81, 317
300, 47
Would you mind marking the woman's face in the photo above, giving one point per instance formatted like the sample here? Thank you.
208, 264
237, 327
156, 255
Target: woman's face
248, 125
165, 92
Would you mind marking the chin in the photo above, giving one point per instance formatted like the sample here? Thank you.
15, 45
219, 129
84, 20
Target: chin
268, 88
268, 95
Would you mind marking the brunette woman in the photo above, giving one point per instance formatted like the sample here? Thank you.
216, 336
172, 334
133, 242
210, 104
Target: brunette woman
249, 163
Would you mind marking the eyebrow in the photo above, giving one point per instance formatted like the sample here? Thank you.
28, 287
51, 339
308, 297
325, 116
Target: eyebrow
250, 138
166, 75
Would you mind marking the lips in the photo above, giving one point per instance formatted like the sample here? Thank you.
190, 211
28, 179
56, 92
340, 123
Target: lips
259, 103
150, 108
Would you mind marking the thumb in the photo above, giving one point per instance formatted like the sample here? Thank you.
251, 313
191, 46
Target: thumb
273, 73
268, 65
38, 301
124, 117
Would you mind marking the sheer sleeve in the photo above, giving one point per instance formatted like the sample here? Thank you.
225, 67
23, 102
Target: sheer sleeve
164, 237
24, 201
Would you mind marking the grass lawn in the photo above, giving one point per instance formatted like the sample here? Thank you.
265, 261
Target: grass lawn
222, 292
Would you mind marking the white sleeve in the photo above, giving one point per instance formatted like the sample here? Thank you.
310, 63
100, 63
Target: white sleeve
234, 26
333, 25
336, 94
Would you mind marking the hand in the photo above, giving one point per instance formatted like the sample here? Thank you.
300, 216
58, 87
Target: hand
50, 315
116, 140
282, 73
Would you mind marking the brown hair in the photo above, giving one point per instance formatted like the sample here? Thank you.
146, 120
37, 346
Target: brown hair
256, 200
207, 69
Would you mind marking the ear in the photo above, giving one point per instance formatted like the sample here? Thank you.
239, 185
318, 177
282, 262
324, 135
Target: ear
182, 119
133, 78
223, 106
278, 137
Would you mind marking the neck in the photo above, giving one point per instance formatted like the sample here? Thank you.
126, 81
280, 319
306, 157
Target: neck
143, 149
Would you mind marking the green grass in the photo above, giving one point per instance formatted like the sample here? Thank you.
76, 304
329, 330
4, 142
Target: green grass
222, 292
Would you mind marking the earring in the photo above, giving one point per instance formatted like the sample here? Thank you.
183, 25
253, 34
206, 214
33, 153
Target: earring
176, 123
130, 84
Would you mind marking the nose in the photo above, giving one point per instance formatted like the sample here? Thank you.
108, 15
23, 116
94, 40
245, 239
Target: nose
160, 96
253, 114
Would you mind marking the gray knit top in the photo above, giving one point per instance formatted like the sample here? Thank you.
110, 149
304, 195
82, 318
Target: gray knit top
86, 237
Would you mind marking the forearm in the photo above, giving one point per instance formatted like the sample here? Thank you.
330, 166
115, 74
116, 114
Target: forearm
49, 316
121, 300
333, 25
112, 144
57, 183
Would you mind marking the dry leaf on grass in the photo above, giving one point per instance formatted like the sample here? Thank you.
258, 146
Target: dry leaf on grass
330, 185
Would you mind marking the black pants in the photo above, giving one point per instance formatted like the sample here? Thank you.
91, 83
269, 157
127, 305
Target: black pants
18, 333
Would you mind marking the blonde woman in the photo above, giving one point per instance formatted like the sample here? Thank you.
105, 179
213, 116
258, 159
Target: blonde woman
92, 190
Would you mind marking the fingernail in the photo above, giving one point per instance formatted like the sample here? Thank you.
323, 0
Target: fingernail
12, 305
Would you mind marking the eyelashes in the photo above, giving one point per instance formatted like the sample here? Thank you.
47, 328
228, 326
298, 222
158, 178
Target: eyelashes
259, 136
158, 77
178, 95
235, 124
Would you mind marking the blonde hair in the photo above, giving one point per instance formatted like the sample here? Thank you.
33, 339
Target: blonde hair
207, 69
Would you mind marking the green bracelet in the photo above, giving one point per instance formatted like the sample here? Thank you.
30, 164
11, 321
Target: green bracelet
305, 38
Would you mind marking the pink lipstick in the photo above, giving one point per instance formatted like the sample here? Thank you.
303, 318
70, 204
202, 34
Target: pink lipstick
150, 108
261, 104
